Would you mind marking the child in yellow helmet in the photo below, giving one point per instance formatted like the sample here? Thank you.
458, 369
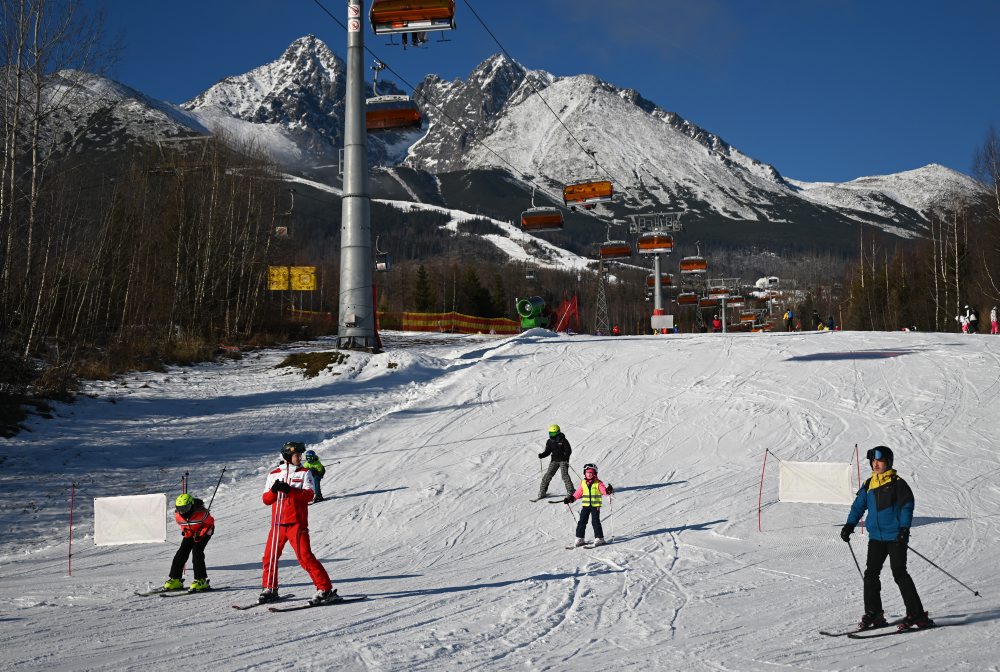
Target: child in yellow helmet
558, 447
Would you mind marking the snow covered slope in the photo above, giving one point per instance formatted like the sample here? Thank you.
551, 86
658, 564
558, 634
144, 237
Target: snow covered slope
431, 455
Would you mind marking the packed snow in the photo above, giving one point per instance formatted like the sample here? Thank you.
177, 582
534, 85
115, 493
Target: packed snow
431, 449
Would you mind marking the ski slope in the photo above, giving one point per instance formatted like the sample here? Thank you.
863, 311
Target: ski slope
431, 449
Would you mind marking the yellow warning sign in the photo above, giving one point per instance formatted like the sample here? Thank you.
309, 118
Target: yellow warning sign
303, 278
277, 278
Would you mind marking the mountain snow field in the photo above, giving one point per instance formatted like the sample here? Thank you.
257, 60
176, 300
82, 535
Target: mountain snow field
431, 453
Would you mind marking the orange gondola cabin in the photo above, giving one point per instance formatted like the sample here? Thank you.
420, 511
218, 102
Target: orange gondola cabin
694, 265
708, 302
411, 16
718, 292
391, 113
588, 194
542, 219
615, 249
654, 242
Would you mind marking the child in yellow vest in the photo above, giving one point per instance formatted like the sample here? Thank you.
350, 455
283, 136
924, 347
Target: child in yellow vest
590, 491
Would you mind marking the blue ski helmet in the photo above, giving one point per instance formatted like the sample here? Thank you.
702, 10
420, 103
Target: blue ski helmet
311, 456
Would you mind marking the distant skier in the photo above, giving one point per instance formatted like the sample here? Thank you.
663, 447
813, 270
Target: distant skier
197, 526
288, 490
716, 325
615, 331
830, 324
313, 464
558, 447
888, 502
972, 319
590, 491
817, 321
789, 316
993, 321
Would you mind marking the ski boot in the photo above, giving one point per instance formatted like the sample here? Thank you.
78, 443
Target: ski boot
599, 541
174, 584
580, 542
198, 585
918, 621
324, 597
871, 621
268, 595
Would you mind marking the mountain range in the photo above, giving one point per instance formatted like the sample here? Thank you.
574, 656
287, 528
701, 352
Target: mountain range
488, 141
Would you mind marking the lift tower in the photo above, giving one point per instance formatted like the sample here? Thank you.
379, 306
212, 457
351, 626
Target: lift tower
356, 316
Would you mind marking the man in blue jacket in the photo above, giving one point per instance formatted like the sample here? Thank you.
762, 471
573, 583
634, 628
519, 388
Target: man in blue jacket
888, 501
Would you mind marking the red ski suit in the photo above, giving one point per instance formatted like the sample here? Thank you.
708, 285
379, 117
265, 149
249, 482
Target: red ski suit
293, 525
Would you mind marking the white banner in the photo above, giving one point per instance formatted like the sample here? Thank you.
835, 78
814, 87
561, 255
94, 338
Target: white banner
134, 519
816, 482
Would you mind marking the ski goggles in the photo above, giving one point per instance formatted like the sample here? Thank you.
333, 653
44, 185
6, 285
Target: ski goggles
875, 454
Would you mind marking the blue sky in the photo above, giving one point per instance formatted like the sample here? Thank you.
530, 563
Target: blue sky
821, 89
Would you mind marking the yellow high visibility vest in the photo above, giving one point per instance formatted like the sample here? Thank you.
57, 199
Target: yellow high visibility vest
591, 494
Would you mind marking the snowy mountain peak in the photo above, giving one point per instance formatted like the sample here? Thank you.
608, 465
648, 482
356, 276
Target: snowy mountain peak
301, 87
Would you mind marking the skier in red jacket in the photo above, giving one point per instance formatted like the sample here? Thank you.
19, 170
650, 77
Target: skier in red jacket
288, 491
197, 526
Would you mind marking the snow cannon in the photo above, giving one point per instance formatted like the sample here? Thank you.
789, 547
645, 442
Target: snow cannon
530, 310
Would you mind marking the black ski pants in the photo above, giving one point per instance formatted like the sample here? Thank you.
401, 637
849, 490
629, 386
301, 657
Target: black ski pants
594, 513
196, 549
877, 553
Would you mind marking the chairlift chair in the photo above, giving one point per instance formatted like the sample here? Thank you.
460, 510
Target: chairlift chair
614, 249
587, 194
655, 242
693, 265
391, 112
665, 280
390, 17
542, 219
687, 299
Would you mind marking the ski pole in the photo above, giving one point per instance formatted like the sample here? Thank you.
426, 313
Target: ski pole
855, 560
209, 507
570, 512
611, 506
920, 555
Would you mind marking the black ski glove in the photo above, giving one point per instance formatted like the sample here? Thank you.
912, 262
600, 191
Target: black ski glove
846, 531
904, 536
609, 488
568, 499
281, 486
541, 456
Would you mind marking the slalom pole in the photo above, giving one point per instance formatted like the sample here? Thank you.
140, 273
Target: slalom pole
920, 555
72, 501
760, 493
219, 482
184, 482
856, 561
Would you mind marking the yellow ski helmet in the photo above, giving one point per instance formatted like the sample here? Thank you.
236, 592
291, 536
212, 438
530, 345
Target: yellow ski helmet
554, 430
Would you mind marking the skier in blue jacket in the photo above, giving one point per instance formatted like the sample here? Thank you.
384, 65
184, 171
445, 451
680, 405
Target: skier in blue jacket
888, 501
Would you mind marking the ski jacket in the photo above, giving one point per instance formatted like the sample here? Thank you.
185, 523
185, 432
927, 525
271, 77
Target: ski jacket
197, 522
295, 504
316, 467
889, 507
558, 447
591, 494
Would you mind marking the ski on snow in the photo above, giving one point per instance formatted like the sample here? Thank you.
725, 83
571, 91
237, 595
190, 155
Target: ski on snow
588, 545
160, 591
310, 605
861, 635
281, 598
192, 592
855, 631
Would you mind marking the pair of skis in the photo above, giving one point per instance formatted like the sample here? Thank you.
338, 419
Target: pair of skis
869, 633
298, 607
175, 592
